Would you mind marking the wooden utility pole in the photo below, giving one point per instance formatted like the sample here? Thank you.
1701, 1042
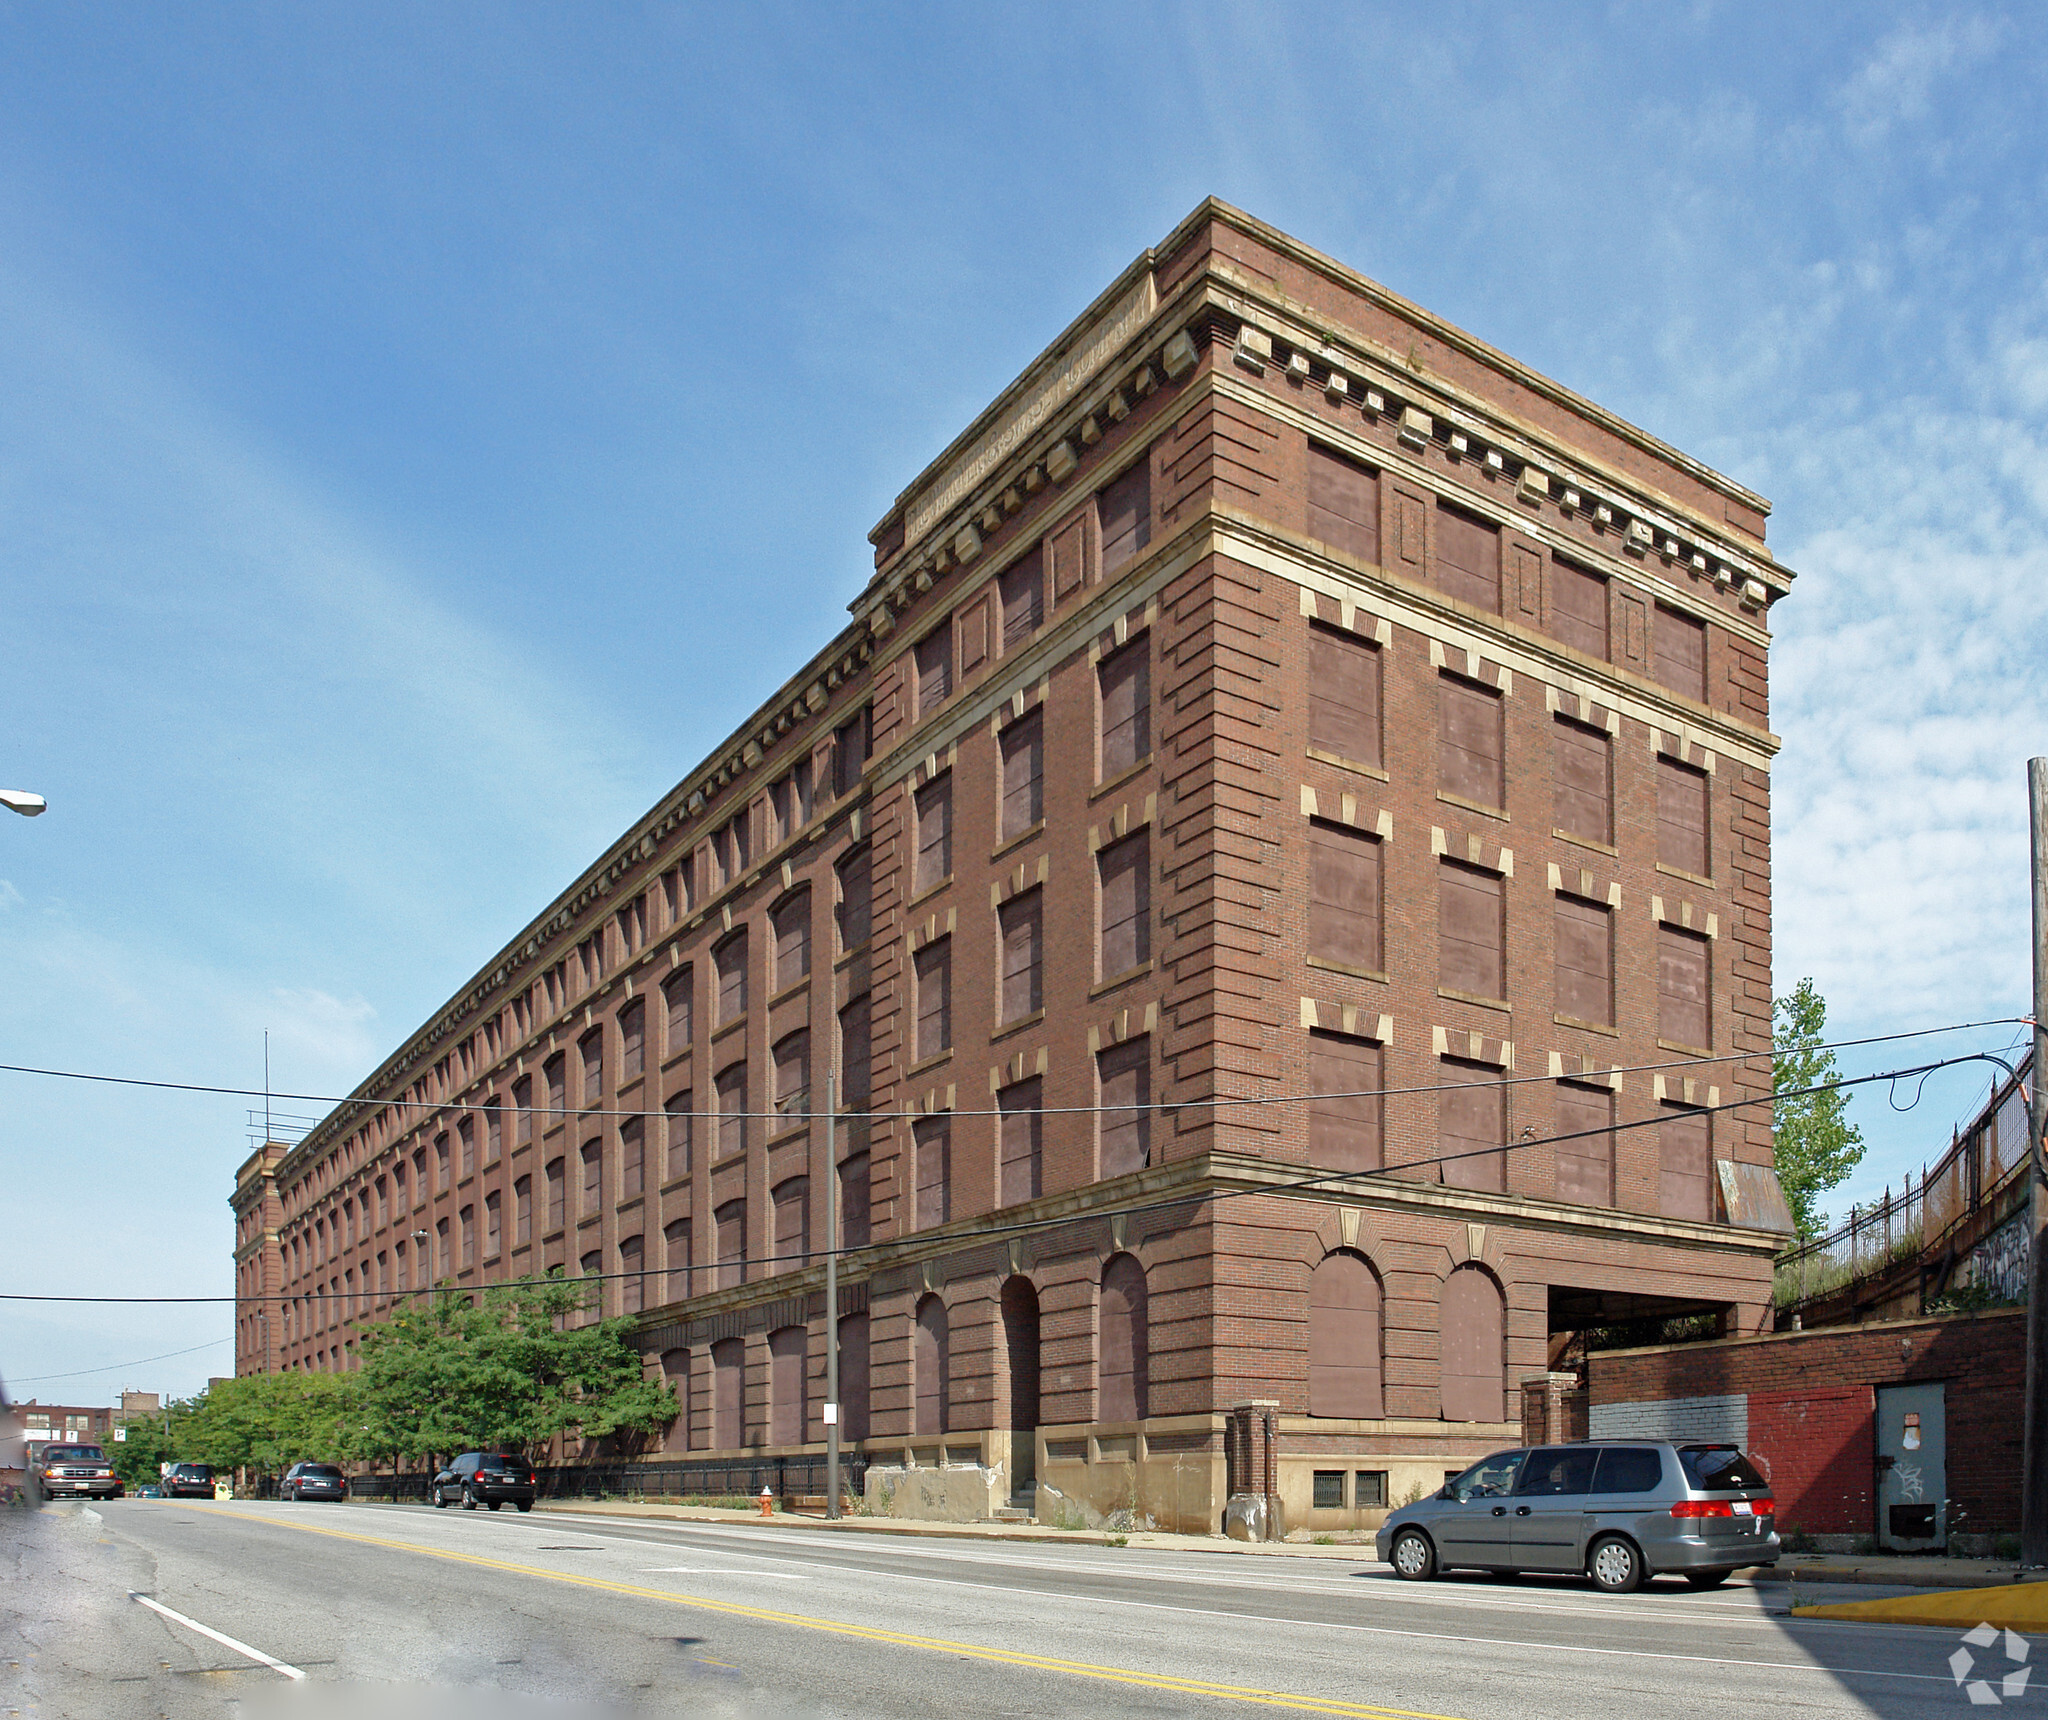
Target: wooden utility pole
2034, 1461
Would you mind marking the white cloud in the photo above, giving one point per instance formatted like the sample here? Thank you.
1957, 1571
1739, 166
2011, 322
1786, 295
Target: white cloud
1897, 80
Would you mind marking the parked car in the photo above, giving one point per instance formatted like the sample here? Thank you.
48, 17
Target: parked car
76, 1472
189, 1481
1616, 1511
490, 1478
313, 1481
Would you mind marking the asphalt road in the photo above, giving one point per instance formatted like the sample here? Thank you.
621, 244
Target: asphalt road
344, 1610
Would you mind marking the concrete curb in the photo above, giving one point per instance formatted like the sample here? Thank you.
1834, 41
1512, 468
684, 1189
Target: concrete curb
1948, 1576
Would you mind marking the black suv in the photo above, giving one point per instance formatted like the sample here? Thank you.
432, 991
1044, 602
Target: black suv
490, 1478
189, 1481
313, 1481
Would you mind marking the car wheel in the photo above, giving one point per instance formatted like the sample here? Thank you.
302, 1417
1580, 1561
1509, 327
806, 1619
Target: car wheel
440, 1500
1615, 1565
493, 1504
1707, 1579
468, 1498
1413, 1557
526, 1504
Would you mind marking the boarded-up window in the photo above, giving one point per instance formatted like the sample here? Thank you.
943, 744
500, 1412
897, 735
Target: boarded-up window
557, 1194
730, 1221
1685, 1165
592, 1047
1467, 558
1022, 925
854, 900
556, 1071
856, 1054
730, 958
1125, 680
1343, 695
1582, 781
1018, 1303
679, 1012
1471, 1130
632, 1042
522, 1211
853, 1376
593, 1176
1343, 504
1474, 1347
1682, 818
468, 1238
633, 1280
934, 669
1684, 1000
1344, 1338
1021, 1105
677, 1261
1344, 1127
1023, 598
850, 752
1470, 743
930, 1362
1123, 1387
792, 927
1344, 897
790, 1204
788, 1354
1125, 941
854, 1227
1023, 791
728, 1393
934, 834
681, 1125
1585, 961
1125, 510
494, 1227
932, 1139
732, 1111
1578, 608
974, 640
1124, 1091
934, 965
1585, 1146
1678, 659
1471, 931
792, 1076
632, 1158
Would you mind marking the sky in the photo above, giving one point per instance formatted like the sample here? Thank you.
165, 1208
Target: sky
425, 431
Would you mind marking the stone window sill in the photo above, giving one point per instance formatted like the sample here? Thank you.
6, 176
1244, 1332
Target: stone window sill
794, 988
1473, 998
1687, 1050
1023, 836
1122, 979
1586, 1026
1017, 1026
928, 892
1464, 805
1323, 966
1586, 842
932, 1062
1689, 877
1350, 764
1110, 785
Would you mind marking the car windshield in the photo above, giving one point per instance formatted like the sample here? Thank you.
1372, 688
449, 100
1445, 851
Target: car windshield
191, 1472
319, 1472
1714, 1467
1492, 1478
74, 1454
518, 1463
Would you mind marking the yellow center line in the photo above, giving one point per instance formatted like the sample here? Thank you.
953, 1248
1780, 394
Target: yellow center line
870, 1633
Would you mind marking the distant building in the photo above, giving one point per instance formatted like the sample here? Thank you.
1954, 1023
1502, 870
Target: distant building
1279, 861
45, 1423
140, 1406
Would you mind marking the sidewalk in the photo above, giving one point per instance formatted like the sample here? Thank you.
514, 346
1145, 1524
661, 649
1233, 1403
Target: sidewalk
1893, 1570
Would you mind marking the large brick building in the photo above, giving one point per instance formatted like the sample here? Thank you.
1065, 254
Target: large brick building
1292, 764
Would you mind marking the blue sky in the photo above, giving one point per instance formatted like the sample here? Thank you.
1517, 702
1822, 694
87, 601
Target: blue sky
424, 431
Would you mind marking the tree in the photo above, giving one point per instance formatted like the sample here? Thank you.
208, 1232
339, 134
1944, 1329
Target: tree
1815, 1144
267, 1422
507, 1367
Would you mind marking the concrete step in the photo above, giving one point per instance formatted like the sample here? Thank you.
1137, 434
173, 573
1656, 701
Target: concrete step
1012, 1514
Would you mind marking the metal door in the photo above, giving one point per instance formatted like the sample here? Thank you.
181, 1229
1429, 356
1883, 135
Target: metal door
1912, 1467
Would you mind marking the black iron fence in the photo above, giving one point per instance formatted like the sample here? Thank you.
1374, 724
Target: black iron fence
683, 1478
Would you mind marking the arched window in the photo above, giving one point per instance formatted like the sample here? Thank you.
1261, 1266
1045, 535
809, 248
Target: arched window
930, 1357
788, 1352
853, 1376
1345, 1342
1121, 1383
1473, 1326
675, 1372
728, 1394
1020, 1348
790, 921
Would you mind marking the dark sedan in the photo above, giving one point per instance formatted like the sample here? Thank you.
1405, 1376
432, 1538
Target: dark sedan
313, 1481
489, 1478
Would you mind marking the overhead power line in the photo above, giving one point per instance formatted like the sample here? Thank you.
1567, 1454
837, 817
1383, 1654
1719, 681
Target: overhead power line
1291, 1186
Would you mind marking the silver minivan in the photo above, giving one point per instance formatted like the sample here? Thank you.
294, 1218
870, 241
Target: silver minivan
1617, 1510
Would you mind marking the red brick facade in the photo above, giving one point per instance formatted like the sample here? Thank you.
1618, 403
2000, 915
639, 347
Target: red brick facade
1339, 614
1812, 1396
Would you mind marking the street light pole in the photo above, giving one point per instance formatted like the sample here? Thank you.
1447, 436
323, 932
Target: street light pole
831, 1302
21, 801
2034, 1454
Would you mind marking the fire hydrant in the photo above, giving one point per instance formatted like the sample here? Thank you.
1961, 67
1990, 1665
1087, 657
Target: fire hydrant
767, 1501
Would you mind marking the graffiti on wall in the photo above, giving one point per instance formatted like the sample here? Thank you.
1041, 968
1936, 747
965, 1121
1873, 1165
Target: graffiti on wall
1999, 1262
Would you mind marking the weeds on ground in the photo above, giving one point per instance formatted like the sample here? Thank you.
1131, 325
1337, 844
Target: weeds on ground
1324, 1540
1117, 1541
